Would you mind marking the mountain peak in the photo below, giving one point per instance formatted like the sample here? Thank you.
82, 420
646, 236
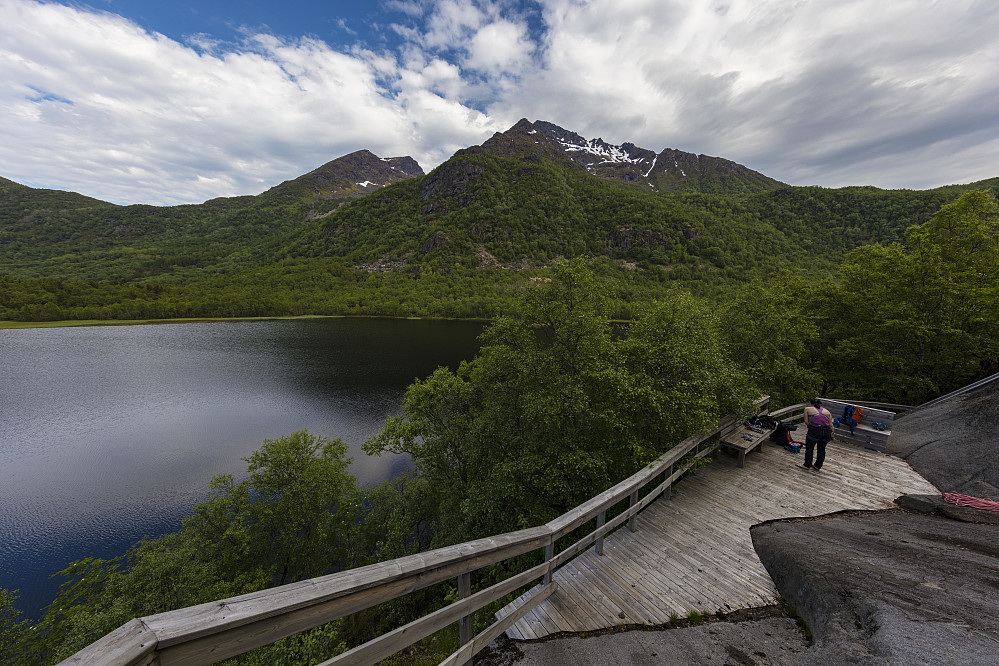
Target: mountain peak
350, 176
669, 170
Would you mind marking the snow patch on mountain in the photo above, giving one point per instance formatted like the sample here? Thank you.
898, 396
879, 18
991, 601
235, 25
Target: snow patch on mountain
607, 153
654, 159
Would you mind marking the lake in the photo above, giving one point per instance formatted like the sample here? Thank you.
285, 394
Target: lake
110, 433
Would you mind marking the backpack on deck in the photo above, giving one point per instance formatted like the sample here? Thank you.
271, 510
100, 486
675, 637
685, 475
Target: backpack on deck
782, 437
782, 433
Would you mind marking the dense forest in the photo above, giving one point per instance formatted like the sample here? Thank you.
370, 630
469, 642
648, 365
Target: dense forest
462, 241
560, 403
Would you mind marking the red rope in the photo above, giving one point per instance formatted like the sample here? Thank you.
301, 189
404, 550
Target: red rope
973, 502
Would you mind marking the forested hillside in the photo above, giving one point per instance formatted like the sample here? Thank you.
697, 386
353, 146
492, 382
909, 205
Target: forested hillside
458, 242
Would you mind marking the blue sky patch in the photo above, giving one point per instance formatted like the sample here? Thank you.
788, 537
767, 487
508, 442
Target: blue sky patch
42, 95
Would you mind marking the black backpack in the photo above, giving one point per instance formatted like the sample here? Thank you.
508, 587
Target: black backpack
763, 421
782, 433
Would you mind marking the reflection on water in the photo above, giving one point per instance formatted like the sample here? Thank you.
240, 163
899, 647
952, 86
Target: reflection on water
111, 433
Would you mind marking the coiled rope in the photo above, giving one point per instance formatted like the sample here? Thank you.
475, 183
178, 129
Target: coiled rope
973, 502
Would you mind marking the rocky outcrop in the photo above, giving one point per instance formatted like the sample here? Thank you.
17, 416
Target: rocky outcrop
627, 163
955, 443
889, 588
435, 241
448, 187
359, 172
913, 587
347, 177
626, 238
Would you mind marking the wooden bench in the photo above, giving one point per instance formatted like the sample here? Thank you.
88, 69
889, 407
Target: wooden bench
742, 441
864, 434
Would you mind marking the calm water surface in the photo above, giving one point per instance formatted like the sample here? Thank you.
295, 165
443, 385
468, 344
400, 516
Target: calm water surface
111, 433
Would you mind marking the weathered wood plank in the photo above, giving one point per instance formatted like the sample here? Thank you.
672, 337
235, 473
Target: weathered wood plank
706, 527
251, 621
388, 644
131, 644
482, 640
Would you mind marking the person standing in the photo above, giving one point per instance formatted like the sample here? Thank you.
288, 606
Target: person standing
819, 422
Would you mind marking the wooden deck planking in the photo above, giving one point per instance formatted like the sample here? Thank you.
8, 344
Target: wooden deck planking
693, 551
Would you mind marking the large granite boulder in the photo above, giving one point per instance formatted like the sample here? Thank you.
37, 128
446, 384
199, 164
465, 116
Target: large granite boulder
889, 587
954, 444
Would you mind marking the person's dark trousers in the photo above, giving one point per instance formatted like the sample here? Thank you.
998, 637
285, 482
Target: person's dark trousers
810, 448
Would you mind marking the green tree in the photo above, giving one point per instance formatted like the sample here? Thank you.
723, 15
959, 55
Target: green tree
769, 327
685, 377
559, 405
910, 322
14, 633
293, 517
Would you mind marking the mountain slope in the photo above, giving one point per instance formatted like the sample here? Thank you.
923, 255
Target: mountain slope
520, 200
66, 235
670, 170
532, 194
348, 177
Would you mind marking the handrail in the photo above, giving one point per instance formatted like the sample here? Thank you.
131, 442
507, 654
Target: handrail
210, 632
963, 389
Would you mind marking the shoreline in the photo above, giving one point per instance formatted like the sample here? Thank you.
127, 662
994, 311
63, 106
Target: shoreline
69, 323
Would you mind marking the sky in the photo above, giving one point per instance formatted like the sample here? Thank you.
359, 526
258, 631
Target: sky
168, 102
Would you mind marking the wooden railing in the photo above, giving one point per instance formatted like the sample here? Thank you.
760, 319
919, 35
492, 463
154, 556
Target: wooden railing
218, 630
864, 436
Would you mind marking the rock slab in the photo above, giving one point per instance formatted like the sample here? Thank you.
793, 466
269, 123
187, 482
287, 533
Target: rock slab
896, 588
770, 642
954, 444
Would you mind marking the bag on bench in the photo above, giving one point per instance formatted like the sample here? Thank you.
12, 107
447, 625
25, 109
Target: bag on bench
763, 421
851, 417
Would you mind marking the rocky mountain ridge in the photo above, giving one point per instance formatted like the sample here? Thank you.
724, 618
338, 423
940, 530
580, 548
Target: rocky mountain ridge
666, 171
348, 177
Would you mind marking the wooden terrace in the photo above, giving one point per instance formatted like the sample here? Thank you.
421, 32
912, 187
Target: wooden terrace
655, 551
692, 551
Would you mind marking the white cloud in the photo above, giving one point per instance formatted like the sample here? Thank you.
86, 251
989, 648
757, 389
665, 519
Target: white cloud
451, 23
94, 103
893, 94
829, 91
499, 47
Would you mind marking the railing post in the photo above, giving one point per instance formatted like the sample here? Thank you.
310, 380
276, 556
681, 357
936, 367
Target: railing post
599, 546
465, 623
549, 554
669, 488
632, 501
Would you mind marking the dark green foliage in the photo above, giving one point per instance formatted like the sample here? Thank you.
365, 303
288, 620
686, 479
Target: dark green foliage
449, 244
557, 406
769, 327
906, 323
14, 633
293, 518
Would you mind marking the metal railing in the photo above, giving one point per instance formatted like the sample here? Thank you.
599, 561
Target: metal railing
964, 389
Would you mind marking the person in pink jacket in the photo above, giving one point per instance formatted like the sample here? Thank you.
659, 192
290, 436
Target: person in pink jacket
819, 422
